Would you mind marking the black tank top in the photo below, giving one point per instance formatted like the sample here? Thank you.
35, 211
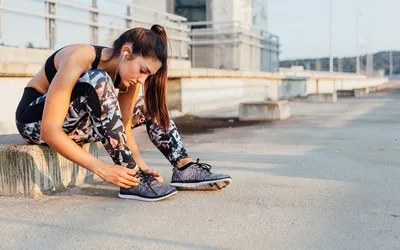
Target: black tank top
50, 68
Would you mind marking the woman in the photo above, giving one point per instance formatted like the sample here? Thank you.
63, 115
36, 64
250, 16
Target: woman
73, 100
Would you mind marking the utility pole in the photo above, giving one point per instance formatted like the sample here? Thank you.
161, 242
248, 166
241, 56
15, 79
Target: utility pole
358, 65
1, 24
390, 63
330, 37
370, 64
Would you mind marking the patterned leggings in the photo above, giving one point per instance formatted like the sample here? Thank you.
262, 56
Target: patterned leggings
94, 115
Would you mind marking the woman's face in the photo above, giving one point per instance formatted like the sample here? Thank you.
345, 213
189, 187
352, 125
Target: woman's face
137, 69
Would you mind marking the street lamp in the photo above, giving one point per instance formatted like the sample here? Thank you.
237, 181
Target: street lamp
330, 37
358, 64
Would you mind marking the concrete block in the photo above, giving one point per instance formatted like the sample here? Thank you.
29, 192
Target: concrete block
323, 98
264, 111
361, 92
345, 93
32, 170
353, 93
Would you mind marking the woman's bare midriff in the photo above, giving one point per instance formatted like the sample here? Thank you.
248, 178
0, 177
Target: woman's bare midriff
39, 82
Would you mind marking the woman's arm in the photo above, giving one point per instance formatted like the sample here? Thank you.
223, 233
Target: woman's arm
127, 104
71, 66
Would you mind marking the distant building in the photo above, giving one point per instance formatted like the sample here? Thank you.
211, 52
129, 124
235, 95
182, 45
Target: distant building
229, 34
213, 10
157, 5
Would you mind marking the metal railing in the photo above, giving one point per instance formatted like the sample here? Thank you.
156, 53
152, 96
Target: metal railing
134, 16
233, 45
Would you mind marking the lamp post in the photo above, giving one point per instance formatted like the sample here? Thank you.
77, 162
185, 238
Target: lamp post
358, 65
330, 37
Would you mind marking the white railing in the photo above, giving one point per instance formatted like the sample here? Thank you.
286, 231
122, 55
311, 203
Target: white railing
134, 16
233, 45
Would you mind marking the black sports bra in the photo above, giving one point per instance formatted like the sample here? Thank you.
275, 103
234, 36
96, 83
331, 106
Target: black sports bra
50, 68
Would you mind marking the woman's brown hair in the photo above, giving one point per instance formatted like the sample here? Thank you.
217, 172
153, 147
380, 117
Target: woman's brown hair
150, 43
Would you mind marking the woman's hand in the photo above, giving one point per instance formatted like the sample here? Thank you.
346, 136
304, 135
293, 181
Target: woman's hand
156, 174
118, 175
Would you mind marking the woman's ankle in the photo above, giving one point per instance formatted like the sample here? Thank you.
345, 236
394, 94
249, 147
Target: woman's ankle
183, 162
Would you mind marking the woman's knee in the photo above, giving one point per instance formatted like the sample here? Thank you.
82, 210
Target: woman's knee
96, 86
99, 80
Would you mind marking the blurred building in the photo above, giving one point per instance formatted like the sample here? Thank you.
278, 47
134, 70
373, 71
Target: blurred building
229, 34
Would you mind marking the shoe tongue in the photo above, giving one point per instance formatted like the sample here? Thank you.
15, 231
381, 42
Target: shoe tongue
143, 176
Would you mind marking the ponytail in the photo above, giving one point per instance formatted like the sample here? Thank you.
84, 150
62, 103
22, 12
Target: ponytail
150, 43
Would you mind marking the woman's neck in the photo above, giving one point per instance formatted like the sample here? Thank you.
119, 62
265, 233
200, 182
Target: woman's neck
111, 66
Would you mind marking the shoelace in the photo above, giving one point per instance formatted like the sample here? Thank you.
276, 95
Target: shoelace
145, 177
202, 165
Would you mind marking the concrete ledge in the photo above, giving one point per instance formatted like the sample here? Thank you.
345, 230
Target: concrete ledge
264, 111
355, 92
345, 93
323, 98
32, 170
361, 92
221, 73
387, 85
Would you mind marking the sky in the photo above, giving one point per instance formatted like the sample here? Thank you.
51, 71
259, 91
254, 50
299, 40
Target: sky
302, 25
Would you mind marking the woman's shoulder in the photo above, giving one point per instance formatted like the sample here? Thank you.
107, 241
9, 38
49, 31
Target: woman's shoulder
80, 52
79, 48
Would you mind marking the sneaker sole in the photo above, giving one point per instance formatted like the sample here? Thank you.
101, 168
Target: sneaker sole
220, 184
139, 198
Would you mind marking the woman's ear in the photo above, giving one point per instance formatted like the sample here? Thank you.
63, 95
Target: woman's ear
126, 51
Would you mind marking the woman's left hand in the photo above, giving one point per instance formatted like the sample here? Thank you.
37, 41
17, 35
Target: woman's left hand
156, 174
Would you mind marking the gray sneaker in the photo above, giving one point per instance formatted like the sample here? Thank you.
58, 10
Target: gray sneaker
149, 189
196, 175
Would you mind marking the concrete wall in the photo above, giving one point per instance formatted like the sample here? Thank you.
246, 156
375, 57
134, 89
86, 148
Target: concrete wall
329, 85
11, 90
200, 90
250, 55
236, 48
228, 11
242, 12
196, 95
220, 55
222, 10
199, 94
292, 87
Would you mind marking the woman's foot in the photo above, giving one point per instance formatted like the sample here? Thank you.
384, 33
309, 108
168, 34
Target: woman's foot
196, 175
149, 189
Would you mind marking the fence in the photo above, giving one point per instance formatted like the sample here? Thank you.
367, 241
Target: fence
100, 20
233, 45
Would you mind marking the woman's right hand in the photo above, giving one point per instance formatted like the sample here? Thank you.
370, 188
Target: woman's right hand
118, 175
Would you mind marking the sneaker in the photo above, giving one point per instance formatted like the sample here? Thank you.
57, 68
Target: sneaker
149, 189
196, 175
